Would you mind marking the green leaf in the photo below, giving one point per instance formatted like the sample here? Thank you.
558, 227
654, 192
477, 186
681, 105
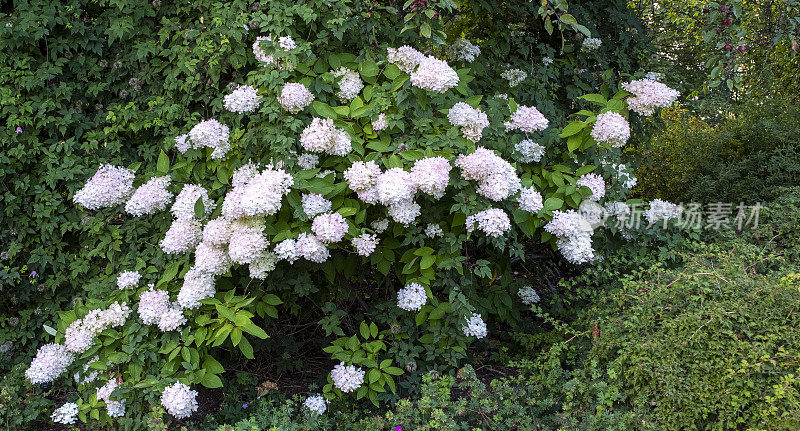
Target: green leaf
225, 312
324, 110
50, 330
212, 365
552, 204
364, 330
252, 329
594, 98
394, 371
199, 209
572, 128
425, 30
426, 339
574, 142
211, 381
568, 19
246, 348
169, 273
374, 375
163, 163
272, 299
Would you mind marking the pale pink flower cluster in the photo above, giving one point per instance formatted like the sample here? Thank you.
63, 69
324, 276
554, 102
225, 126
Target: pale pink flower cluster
362, 178
211, 259
322, 137
365, 244
247, 241
347, 378
315, 203
434, 75
50, 361
412, 297
595, 183
309, 247
109, 186
405, 58
330, 227
493, 222
179, 400
649, 95
80, 334
497, 178
611, 128
243, 99
212, 134
171, 320
295, 97
183, 208
431, 175
183, 235
128, 279
152, 305
395, 186
380, 123
530, 200
528, 119
475, 326
350, 83
287, 250
150, 197
261, 195
471, 120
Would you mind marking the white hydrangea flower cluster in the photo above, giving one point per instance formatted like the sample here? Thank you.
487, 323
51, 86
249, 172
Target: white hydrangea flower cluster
611, 128
395, 189
433, 230
109, 186
380, 123
362, 178
412, 297
316, 404
494, 222
475, 326
625, 175
260, 195
197, 285
307, 161
315, 203
591, 44
295, 97
649, 95
434, 75
350, 83
464, 50
381, 225
263, 265
183, 208
179, 400
528, 119
50, 361
212, 134
67, 414
431, 175
182, 236
514, 76
243, 99
309, 247
127, 279
497, 178
405, 58
530, 151
329, 227
574, 235
86, 376
114, 408
285, 43
150, 197
547, 61
287, 250
182, 143
152, 305
594, 182
528, 295
322, 137
365, 244
655, 76
471, 120
79, 335
347, 378
247, 241
662, 211
619, 210
530, 200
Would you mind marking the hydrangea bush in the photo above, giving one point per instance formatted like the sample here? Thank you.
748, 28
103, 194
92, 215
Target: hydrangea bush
391, 175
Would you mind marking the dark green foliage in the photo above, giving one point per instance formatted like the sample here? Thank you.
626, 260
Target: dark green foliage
746, 157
